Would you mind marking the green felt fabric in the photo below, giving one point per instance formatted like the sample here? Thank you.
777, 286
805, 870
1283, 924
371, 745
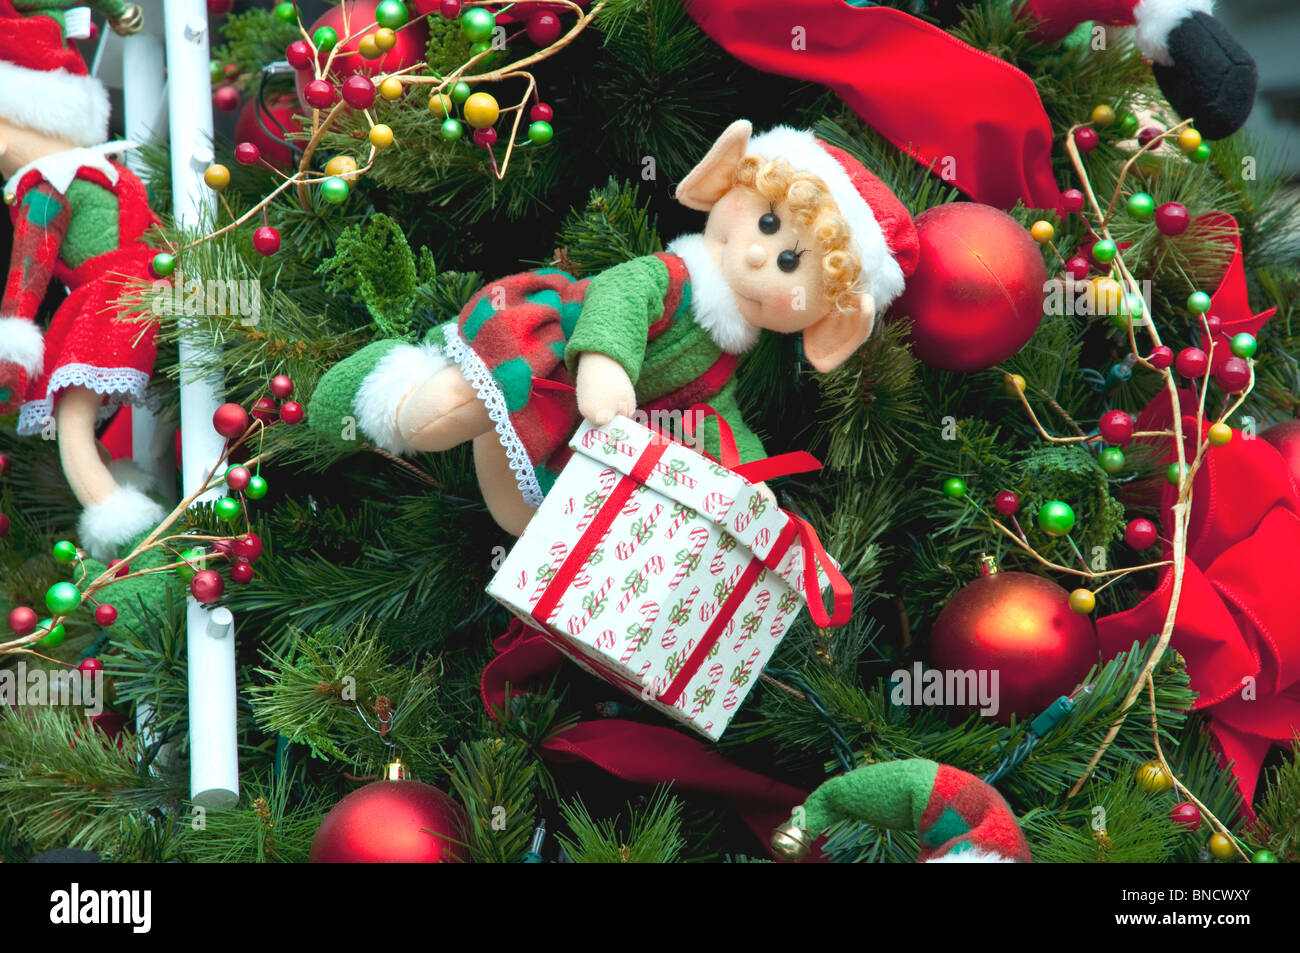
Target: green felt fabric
335, 395
140, 601
890, 794
92, 229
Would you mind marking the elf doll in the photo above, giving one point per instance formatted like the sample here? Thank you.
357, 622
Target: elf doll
800, 238
79, 217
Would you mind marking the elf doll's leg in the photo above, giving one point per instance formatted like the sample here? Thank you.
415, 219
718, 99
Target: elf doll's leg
497, 482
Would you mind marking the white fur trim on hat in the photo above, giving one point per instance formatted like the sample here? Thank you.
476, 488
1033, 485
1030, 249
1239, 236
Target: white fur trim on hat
1156, 19
713, 303
382, 391
104, 528
975, 855
55, 102
22, 344
800, 148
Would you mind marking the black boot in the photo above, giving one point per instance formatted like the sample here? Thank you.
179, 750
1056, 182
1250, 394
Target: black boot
1212, 80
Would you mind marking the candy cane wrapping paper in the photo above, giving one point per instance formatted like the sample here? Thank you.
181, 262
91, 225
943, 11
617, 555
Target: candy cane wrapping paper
662, 572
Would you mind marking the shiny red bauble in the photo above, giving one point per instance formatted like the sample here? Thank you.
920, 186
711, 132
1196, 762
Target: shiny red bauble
977, 294
1086, 138
248, 546
392, 822
541, 112
90, 665
485, 137
230, 420
1141, 534
1116, 427
1285, 439
359, 91
1006, 503
237, 478
544, 28
450, 9
281, 386
409, 49
1078, 267
1172, 218
264, 409
22, 620
318, 94
105, 615
1233, 375
225, 99
207, 585
247, 153
1072, 201
1019, 626
266, 240
267, 126
291, 412
1161, 357
241, 572
1191, 362
1186, 815
299, 54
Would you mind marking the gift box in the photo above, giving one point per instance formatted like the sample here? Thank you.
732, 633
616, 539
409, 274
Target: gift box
667, 573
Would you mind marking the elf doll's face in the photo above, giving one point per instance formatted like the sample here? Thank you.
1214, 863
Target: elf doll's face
772, 265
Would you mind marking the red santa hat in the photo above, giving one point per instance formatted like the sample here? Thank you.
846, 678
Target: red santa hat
44, 85
884, 236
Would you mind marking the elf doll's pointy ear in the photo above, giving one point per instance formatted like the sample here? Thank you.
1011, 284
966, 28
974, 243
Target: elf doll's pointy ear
829, 343
710, 180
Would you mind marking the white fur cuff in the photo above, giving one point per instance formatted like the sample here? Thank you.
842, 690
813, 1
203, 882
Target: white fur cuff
1156, 19
382, 391
975, 855
105, 527
21, 342
55, 102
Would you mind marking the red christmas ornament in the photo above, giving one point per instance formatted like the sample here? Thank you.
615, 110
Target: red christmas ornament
22, 620
248, 546
90, 665
544, 29
219, 8
392, 822
241, 572
1072, 201
1191, 362
207, 585
409, 49
105, 615
1140, 534
1021, 626
541, 112
1006, 503
1116, 426
1285, 439
299, 54
264, 409
1233, 375
1161, 357
1172, 218
359, 91
237, 479
266, 127
247, 153
281, 386
977, 294
1078, 267
485, 137
291, 412
266, 240
1186, 815
318, 94
1085, 137
230, 420
226, 99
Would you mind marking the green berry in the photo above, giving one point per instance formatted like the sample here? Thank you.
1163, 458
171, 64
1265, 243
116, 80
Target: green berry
325, 39
1141, 206
53, 637
1243, 345
1263, 857
1174, 473
451, 129
257, 488
1104, 251
460, 92
1128, 125
227, 509
1200, 154
477, 24
287, 13
163, 264
65, 552
192, 560
62, 598
1111, 460
391, 14
334, 190
954, 488
540, 133
1056, 518
1198, 302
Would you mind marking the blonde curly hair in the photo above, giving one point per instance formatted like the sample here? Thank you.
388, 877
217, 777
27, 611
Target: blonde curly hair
809, 201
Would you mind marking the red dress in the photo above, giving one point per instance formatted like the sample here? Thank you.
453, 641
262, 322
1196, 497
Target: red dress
92, 341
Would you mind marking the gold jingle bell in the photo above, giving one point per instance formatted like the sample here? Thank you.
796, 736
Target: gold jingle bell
791, 842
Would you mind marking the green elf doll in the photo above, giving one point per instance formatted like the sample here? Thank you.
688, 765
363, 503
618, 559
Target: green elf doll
79, 218
800, 237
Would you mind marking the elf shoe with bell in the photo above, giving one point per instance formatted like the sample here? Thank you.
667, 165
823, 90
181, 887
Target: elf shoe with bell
959, 819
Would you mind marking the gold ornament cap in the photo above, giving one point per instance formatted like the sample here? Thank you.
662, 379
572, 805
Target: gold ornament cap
791, 842
395, 771
988, 565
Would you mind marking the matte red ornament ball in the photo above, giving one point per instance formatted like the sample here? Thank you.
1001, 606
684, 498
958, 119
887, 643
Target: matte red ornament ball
266, 240
1072, 201
248, 546
207, 585
281, 386
225, 99
392, 822
1116, 427
450, 9
299, 54
1006, 503
230, 420
1086, 138
1161, 357
264, 409
90, 665
291, 412
359, 91
241, 572
1172, 218
247, 153
541, 112
319, 94
22, 620
1020, 625
1191, 362
1186, 815
105, 615
544, 29
1141, 534
1078, 267
1233, 375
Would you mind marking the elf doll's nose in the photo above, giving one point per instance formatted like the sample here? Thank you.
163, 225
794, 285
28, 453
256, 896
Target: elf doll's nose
756, 256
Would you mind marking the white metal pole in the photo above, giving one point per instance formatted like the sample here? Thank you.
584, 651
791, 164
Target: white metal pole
214, 764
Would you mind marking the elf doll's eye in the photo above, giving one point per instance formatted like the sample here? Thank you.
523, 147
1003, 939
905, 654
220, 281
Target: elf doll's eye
769, 224
788, 260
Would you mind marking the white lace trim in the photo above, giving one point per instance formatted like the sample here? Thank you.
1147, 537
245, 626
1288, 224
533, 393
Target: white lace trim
485, 385
123, 385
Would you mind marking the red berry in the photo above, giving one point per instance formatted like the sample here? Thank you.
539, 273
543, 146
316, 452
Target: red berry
4, 464
122, 568
541, 113
4, 525
105, 615
1146, 135
485, 137
1085, 137
246, 153
225, 99
266, 240
248, 546
1140, 534
450, 9
230, 70
237, 479
207, 585
1072, 201
89, 666
1116, 427
1186, 815
1191, 362
230, 420
544, 29
1213, 323
281, 386
359, 91
22, 620
264, 409
1233, 375
1172, 218
299, 54
291, 412
1006, 503
222, 546
241, 572
319, 94
1078, 267
1161, 357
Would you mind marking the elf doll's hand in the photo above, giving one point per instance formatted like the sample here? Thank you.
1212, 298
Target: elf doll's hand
13, 384
604, 389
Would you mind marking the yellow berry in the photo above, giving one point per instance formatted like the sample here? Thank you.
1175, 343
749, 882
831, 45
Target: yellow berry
1042, 231
368, 48
1082, 601
216, 177
1015, 384
1103, 116
385, 39
1153, 778
391, 88
1189, 140
1221, 847
481, 110
1220, 435
345, 167
381, 135
439, 105
1106, 295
